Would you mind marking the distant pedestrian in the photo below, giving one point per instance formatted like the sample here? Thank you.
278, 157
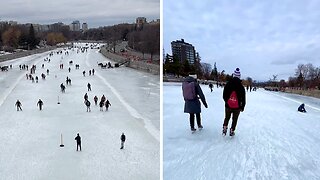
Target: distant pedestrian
85, 97
87, 103
95, 100
84, 73
101, 104
40, 103
89, 86
18, 104
47, 71
63, 88
234, 96
89, 72
69, 69
123, 139
211, 87
191, 90
37, 79
103, 98
92, 71
107, 104
78, 139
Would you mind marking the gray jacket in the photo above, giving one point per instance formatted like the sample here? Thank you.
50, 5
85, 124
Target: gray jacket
194, 106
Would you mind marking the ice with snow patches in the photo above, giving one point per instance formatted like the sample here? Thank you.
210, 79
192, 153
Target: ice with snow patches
31, 139
273, 140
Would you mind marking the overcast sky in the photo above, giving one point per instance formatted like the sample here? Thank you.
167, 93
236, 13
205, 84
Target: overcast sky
95, 12
262, 38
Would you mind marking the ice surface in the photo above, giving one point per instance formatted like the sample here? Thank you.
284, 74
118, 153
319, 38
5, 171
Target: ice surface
30, 139
273, 141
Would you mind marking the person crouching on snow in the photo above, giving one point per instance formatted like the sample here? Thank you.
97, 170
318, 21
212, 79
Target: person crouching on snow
301, 108
191, 90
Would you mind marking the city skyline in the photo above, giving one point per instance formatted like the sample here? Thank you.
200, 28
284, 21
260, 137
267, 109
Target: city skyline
94, 13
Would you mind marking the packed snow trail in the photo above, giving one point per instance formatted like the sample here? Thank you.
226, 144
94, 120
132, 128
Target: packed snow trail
31, 138
273, 140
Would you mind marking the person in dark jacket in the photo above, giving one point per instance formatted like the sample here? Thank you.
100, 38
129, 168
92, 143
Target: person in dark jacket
87, 103
78, 139
193, 106
234, 85
40, 103
95, 100
301, 108
123, 139
107, 104
89, 86
18, 104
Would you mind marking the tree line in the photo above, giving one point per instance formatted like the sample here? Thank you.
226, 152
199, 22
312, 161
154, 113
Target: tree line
145, 38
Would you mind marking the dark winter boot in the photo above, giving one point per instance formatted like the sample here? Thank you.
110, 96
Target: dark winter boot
231, 132
193, 129
224, 130
200, 127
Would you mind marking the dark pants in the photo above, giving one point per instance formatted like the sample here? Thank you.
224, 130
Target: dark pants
78, 145
235, 114
122, 144
192, 119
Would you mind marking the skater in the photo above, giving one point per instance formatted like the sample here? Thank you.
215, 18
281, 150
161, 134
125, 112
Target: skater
84, 73
123, 139
301, 108
85, 97
211, 86
47, 71
78, 139
191, 90
234, 96
95, 100
18, 104
63, 88
89, 72
103, 98
92, 71
107, 104
89, 86
69, 69
37, 79
101, 104
87, 103
40, 103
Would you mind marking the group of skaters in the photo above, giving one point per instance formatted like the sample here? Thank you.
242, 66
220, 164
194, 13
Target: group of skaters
103, 102
91, 72
233, 96
19, 105
78, 140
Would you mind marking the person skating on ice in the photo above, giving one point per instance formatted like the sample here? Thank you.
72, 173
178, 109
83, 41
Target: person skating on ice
191, 94
107, 104
234, 96
78, 139
123, 139
18, 104
40, 103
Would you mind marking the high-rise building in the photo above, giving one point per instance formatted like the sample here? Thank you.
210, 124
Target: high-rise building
75, 26
183, 51
84, 27
140, 21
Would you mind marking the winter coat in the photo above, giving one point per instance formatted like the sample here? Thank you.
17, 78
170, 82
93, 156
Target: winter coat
123, 137
194, 106
78, 139
235, 85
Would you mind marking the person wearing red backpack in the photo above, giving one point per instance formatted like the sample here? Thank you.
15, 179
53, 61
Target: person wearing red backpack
234, 96
191, 93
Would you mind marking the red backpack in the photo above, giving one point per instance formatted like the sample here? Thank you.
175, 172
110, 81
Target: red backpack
233, 101
189, 90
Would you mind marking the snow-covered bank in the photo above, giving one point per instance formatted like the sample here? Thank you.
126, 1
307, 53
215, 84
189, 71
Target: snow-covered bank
31, 138
273, 140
